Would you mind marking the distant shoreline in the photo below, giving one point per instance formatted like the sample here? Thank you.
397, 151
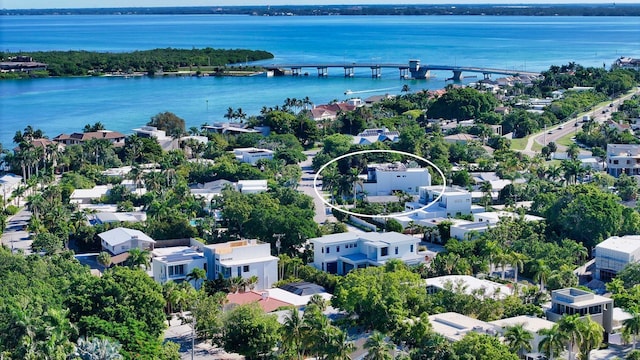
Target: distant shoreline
609, 9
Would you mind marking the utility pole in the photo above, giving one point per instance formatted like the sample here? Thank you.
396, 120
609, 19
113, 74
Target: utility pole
278, 242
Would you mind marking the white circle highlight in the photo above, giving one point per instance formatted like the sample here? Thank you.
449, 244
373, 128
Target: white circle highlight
315, 186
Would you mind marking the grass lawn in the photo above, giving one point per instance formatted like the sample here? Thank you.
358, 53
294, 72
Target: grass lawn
566, 140
536, 147
519, 144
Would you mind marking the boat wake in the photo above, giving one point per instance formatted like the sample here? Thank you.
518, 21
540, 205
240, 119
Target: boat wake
349, 92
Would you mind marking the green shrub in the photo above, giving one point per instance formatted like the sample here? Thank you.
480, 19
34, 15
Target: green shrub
11, 210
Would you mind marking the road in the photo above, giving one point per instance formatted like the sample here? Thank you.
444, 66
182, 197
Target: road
14, 235
306, 186
600, 114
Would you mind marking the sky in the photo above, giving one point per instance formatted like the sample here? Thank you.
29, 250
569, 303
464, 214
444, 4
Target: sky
48, 4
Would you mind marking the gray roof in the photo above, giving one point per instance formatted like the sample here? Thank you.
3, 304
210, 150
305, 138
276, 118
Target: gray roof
388, 237
121, 235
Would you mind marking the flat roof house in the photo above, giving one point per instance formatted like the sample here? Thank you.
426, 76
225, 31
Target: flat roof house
85, 196
121, 240
530, 323
623, 159
243, 258
480, 288
613, 254
341, 253
252, 155
575, 301
384, 179
175, 263
454, 326
252, 186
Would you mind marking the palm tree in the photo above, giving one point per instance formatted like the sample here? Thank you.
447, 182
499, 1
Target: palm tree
139, 258
292, 333
486, 188
592, 336
104, 259
169, 291
196, 275
340, 347
319, 301
252, 281
632, 327
378, 348
552, 342
517, 262
540, 272
235, 283
97, 349
519, 339
570, 326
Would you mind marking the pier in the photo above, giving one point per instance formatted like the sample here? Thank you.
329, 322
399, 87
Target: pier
412, 70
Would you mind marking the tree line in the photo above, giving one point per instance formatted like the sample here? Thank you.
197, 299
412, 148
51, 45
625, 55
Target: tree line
78, 63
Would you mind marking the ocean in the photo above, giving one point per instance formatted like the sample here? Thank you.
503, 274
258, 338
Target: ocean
58, 105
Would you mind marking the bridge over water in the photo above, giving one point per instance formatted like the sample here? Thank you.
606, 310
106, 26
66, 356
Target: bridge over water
412, 70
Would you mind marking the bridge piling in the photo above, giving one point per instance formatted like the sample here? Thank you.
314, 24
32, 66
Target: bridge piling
348, 71
322, 71
376, 71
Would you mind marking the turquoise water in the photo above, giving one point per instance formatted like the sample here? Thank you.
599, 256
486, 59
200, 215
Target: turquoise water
65, 105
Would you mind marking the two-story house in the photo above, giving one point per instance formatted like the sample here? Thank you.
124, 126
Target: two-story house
613, 254
242, 258
385, 179
575, 301
341, 253
175, 263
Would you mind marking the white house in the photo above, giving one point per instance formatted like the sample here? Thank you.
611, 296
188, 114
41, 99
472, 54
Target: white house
86, 196
175, 263
576, 301
151, 132
482, 221
453, 326
112, 217
384, 179
252, 155
8, 183
252, 186
480, 288
613, 254
121, 240
243, 258
341, 253
211, 189
530, 323
623, 159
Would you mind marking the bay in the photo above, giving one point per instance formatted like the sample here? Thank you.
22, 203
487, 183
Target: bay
66, 105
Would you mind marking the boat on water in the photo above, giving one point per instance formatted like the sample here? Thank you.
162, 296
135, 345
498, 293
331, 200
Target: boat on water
348, 92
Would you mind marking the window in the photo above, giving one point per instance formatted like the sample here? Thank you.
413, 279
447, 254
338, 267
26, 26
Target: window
411, 248
328, 249
245, 268
384, 251
396, 250
239, 273
176, 270
322, 250
337, 248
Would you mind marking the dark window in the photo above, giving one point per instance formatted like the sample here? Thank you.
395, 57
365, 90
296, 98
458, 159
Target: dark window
337, 248
328, 249
384, 251
411, 248
245, 268
396, 250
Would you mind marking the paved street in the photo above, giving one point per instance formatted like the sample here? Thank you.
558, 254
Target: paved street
599, 114
14, 236
306, 186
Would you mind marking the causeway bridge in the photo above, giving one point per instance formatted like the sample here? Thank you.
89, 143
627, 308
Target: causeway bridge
412, 70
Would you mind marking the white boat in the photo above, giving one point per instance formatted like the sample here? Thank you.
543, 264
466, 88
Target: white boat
348, 92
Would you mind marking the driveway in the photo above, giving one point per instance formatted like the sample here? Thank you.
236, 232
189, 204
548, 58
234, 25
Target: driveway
14, 236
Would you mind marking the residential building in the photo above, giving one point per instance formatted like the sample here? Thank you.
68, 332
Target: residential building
243, 258
322, 114
483, 221
262, 298
175, 263
623, 159
86, 196
8, 183
370, 136
530, 323
628, 63
252, 155
341, 253
121, 240
576, 301
453, 326
454, 201
21, 64
613, 254
385, 179
151, 132
115, 217
252, 186
227, 127
114, 137
480, 288
211, 189
461, 138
